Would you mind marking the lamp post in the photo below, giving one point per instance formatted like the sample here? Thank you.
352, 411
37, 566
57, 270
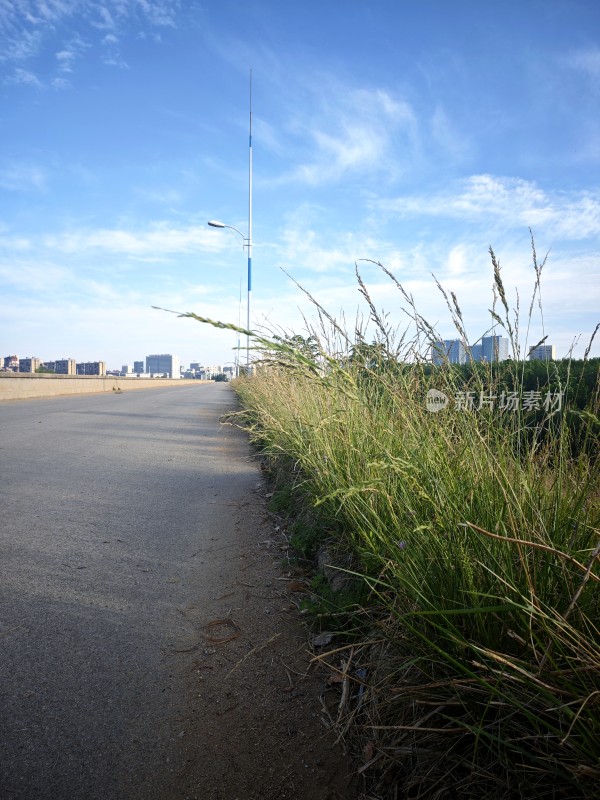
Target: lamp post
246, 241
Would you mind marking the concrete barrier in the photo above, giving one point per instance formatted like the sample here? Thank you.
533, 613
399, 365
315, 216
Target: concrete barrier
21, 385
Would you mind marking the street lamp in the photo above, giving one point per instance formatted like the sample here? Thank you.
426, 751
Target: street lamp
246, 241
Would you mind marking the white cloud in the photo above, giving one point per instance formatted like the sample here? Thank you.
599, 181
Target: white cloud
72, 51
23, 77
16, 243
99, 331
585, 60
457, 260
304, 249
570, 285
301, 250
17, 45
32, 276
115, 60
22, 176
158, 240
162, 13
509, 202
26, 26
103, 18
166, 197
349, 131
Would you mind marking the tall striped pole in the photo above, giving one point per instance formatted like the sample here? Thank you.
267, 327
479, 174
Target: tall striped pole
249, 241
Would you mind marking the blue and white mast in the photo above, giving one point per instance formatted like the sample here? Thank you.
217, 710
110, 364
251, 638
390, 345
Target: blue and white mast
249, 240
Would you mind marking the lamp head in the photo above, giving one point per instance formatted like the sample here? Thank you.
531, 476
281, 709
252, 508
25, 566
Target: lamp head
214, 223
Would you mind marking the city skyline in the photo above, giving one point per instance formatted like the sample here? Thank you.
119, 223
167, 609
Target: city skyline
68, 365
456, 351
453, 351
399, 133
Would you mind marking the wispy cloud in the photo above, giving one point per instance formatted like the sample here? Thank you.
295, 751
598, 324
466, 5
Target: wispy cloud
22, 176
71, 52
302, 250
509, 202
303, 247
349, 131
22, 77
586, 61
18, 43
103, 17
29, 26
568, 304
161, 13
157, 240
32, 276
457, 263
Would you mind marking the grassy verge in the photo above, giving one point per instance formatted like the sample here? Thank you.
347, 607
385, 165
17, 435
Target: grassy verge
475, 531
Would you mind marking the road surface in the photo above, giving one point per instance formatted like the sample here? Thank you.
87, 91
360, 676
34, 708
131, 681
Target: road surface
120, 525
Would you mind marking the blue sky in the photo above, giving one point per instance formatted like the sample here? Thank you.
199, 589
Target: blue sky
416, 133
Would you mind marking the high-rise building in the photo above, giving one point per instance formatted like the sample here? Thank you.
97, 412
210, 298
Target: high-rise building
543, 352
449, 351
453, 351
163, 364
91, 368
29, 364
138, 367
494, 348
65, 366
476, 352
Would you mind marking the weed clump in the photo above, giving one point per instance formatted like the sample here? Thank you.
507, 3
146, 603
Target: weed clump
475, 532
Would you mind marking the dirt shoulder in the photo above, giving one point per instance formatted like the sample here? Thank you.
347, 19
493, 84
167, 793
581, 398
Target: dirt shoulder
253, 726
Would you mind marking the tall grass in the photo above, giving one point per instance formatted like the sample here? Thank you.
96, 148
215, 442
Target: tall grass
477, 531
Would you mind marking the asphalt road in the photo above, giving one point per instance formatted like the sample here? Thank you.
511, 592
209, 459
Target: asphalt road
116, 515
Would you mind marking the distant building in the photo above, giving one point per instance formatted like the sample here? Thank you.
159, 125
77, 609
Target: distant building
476, 353
164, 364
91, 368
494, 348
126, 369
138, 367
543, 352
11, 363
64, 366
29, 364
208, 373
450, 351
453, 351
